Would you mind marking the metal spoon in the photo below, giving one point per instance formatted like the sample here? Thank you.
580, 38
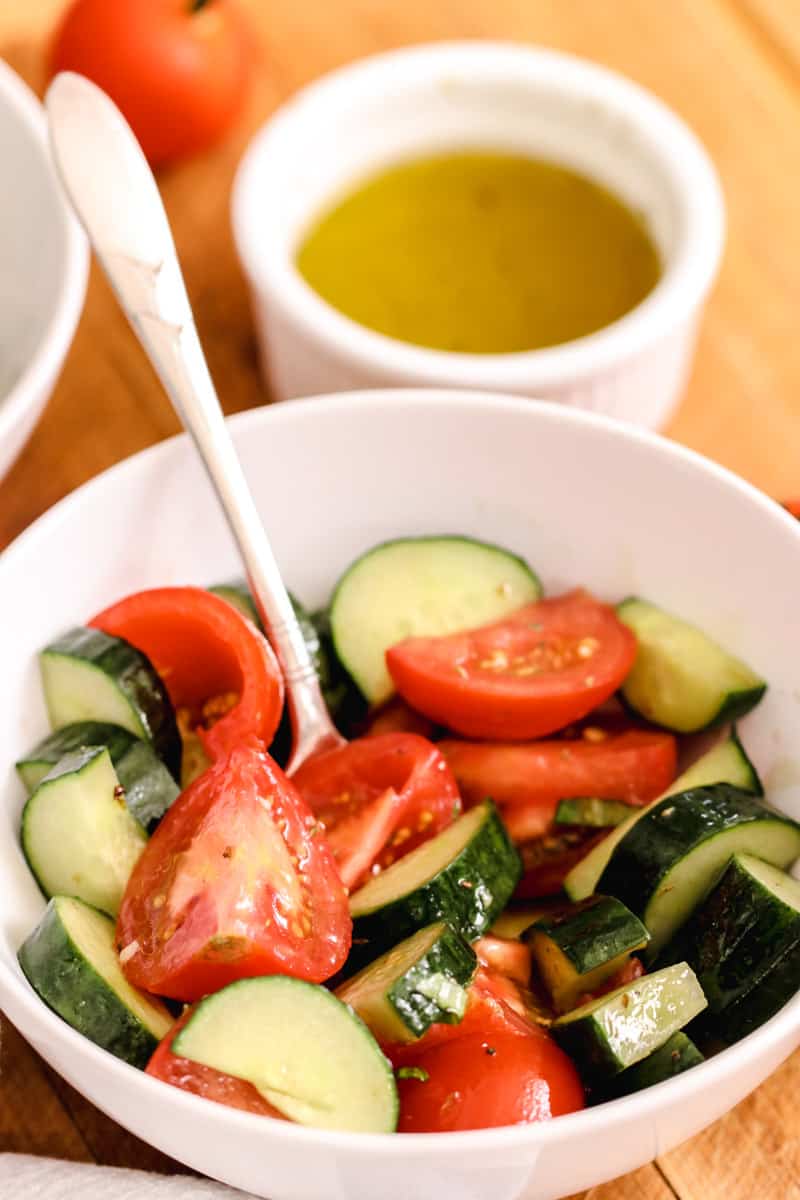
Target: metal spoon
112, 189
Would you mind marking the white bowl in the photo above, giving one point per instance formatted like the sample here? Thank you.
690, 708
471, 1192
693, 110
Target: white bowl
587, 501
479, 94
44, 261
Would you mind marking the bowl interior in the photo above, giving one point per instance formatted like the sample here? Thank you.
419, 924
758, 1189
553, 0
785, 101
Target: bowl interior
34, 233
586, 501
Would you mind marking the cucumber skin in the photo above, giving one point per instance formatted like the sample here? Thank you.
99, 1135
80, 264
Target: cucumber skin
78, 736
58, 973
678, 1054
583, 935
444, 898
639, 862
761, 1002
730, 943
142, 684
734, 704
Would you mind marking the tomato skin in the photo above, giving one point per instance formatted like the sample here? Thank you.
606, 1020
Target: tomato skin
180, 77
634, 766
378, 798
482, 1080
396, 717
202, 648
793, 507
193, 1077
543, 667
234, 882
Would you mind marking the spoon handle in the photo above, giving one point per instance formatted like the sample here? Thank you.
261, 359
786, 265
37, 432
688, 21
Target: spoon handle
112, 189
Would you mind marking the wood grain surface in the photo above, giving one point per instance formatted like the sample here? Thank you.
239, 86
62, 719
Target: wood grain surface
732, 69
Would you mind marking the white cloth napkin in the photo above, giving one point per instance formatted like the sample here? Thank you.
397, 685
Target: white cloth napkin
49, 1179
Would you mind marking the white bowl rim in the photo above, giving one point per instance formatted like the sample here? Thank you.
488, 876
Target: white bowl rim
683, 285
713, 1074
54, 342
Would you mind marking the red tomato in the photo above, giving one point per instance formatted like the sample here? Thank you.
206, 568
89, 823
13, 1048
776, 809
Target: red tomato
507, 956
396, 717
630, 971
235, 881
204, 650
478, 1081
546, 861
205, 1081
792, 506
177, 69
378, 798
527, 781
544, 666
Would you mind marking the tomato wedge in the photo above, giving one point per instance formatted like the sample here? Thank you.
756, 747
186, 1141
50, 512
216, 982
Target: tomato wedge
541, 668
547, 860
204, 650
203, 1081
511, 1067
479, 1081
236, 881
633, 766
377, 798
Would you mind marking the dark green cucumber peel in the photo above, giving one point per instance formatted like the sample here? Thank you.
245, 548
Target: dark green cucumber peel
677, 1055
61, 973
149, 787
593, 812
468, 890
674, 853
136, 680
418, 983
682, 679
577, 949
614, 1032
743, 942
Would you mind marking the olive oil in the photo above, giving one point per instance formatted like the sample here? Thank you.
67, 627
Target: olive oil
481, 253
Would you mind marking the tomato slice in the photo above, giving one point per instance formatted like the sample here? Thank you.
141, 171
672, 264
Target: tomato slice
396, 717
203, 1081
547, 860
204, 650
633, 766
509, 957
479, 1081
236, 881
541, 668
377, 798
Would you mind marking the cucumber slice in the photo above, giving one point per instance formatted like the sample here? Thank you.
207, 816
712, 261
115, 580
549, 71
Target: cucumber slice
578, 950
465, 876
306, 1052
149, 787
609, 1035
421, 587
762, 1001
666, 863
726, 762
677, 1054
682, 679
421, 982
77, 834
70, 960
592, 812
89, 676
748, 922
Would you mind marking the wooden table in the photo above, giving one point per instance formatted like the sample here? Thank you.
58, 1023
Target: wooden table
730, 67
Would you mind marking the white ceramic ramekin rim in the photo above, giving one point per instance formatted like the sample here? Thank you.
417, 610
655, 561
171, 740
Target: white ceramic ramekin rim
37, 375
683, 286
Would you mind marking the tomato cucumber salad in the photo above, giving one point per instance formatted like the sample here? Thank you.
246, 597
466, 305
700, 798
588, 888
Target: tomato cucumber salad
517, 890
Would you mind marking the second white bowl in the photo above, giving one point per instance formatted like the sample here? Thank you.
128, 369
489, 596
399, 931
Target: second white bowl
480, 95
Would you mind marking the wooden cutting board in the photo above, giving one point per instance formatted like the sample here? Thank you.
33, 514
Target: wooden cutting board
732, 69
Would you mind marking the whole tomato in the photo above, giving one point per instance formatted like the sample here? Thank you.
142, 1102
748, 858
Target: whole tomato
178, 69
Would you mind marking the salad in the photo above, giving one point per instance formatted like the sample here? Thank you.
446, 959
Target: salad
518, 889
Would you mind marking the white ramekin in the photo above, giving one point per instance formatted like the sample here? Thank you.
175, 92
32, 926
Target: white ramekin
480, 94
